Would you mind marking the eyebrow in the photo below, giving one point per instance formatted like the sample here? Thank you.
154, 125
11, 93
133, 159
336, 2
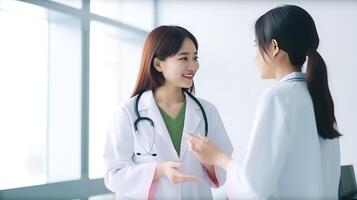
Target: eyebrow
186, 53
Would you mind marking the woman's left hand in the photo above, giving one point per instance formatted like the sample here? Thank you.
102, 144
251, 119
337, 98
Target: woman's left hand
205, 151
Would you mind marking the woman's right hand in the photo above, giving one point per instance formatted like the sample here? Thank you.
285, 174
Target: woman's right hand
170, 170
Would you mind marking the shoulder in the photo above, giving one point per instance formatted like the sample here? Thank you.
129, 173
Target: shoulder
126, 108
289, 98
274, 98
277, 91
284, 92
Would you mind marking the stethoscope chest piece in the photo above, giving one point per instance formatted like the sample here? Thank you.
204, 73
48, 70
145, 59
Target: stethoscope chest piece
145, 149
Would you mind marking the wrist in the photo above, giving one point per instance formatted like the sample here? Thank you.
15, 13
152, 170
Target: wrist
222, 160
207, 166
158, 171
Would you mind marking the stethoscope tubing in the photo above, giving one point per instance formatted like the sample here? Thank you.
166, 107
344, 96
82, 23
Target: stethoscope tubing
140, 118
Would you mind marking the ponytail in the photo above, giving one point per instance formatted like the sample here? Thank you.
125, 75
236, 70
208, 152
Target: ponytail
295, 31
317, 83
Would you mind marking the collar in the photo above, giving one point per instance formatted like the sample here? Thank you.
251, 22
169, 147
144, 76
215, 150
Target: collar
147, 100
293, 76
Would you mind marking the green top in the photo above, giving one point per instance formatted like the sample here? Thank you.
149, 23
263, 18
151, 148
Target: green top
175, 126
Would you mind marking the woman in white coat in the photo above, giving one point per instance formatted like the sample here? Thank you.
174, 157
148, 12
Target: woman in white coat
146, 159
294, 147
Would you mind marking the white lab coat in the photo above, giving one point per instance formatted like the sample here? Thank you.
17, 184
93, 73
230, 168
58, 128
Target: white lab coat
131, 176
286, 159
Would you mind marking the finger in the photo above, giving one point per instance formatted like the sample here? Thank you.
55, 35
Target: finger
203, 138
189, 137
185, 177
192, 136
193, 146
198, 138
190, 145
174, 164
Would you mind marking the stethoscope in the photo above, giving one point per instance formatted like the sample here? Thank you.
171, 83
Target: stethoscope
140, 118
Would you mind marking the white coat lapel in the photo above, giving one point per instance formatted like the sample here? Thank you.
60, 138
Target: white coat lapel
160, 128
192, 120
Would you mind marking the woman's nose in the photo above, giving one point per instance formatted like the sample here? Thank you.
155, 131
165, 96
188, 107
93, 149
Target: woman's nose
193, 65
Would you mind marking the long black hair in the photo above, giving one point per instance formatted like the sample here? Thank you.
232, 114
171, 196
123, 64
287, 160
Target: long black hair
295, 32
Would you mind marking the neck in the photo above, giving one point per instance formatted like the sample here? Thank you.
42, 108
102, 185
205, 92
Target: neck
284, 70
166, 95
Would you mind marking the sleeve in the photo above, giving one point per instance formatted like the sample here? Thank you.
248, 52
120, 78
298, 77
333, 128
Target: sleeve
122, 174
258, 175
218, 135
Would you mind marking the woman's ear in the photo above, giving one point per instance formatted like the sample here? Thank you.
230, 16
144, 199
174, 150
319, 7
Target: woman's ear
274, 47
158, 64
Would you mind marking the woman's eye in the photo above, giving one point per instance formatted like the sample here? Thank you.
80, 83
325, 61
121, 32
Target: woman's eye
196, 58
184, 58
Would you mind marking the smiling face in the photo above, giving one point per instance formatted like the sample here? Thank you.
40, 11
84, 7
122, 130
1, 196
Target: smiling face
179, 69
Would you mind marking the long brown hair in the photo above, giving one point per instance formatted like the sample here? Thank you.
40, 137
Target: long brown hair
162, 42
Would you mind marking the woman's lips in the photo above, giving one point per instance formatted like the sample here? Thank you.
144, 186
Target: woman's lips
188, 76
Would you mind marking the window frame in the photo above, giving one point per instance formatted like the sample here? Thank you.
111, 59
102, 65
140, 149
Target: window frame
84, 187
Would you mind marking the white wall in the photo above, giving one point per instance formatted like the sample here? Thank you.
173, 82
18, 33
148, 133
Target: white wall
229, 78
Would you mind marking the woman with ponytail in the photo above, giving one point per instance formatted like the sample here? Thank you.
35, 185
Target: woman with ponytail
294, 148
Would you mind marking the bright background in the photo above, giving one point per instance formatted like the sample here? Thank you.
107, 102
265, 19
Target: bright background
41, 73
